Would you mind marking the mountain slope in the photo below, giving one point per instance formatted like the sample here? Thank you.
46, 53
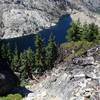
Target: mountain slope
22, 17
77, 80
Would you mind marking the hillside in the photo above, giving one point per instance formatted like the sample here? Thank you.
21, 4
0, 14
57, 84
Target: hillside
24, 17
50, 49
77, 80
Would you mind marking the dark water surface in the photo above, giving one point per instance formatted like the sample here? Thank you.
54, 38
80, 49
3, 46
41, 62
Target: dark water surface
59, 31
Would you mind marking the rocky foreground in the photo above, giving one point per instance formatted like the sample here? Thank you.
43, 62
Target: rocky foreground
77, 80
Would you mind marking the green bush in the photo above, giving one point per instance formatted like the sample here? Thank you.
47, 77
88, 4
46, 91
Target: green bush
12, 97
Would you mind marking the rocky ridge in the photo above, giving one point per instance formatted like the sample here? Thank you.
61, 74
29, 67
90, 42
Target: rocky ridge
77, 80
24, 17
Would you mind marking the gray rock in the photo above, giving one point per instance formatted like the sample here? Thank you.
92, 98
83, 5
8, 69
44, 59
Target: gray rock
79, 83
28, 16
24, 17
84, 61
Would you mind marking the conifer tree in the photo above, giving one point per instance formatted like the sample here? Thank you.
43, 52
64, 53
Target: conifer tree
3, 51
9, 52
30, 62
15, 64
23, 66
74, 32
91, 32
85, 30
51, 52
6, 52
39, 54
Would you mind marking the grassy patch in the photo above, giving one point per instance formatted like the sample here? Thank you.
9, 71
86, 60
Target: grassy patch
77, 49
12, 97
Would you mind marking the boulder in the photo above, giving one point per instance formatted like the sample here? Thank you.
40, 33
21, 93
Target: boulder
84, 61
8, 79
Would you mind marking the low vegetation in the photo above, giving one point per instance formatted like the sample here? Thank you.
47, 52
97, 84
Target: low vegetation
80, 39
12, 97
76, 49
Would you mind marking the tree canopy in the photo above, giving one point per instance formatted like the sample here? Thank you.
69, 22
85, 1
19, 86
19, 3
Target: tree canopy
77, 32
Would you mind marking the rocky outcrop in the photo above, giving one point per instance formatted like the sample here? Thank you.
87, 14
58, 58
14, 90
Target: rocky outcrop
8, 79
77, 80
23, 17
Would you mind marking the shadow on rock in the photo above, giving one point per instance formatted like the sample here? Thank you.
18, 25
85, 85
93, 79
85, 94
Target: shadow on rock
21, 90
8, 79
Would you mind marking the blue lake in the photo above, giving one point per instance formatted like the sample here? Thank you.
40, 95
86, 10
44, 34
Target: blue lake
59, 31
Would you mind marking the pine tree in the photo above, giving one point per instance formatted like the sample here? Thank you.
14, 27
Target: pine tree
39, 54
9, 52
23, 66
3, 51
51, 52
74, 32
30, 62
26, 64
92, 33
85, 30
6, 52
15, 64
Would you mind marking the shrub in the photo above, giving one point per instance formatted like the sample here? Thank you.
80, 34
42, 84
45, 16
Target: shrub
12, 97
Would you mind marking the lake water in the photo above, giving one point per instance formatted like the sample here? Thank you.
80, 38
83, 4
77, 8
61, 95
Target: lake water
59, 31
